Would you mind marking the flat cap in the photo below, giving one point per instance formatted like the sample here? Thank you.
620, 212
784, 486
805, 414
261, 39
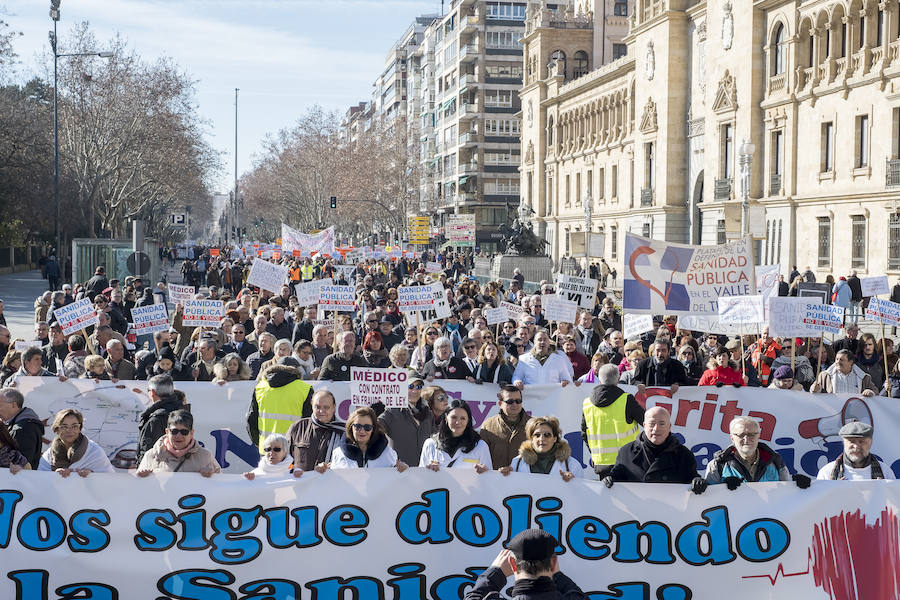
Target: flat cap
533, 544
733, 345
856, 429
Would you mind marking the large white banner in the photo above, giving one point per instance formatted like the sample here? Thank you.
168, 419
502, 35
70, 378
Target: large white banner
665, 278
377, 534
802, 427
322, 242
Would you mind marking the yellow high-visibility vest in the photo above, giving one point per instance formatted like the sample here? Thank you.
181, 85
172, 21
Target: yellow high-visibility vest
607, 429
279, 407
309, 271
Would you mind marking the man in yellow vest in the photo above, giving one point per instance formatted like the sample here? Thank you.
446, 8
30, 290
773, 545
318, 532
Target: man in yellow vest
308, 271
609, 420
280, 398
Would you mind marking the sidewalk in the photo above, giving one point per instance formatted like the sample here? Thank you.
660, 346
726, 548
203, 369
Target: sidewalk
18, 292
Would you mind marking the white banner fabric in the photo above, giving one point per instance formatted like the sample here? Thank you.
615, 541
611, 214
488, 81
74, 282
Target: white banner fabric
802, 427
376, 534
76, 316
322, 242
267, 276
580, 290
666, 278
148, 319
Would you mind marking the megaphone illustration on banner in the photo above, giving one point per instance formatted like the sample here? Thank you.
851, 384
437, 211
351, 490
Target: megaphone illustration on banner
855, 409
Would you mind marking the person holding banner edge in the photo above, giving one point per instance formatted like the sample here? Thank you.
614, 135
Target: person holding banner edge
456, 443
365, 445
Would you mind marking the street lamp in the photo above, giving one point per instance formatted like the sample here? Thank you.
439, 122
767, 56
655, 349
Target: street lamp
745, 161
54, 15
588, 213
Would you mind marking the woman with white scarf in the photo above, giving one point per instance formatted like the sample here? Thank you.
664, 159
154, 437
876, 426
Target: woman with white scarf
843, 377
276, 462
71, 451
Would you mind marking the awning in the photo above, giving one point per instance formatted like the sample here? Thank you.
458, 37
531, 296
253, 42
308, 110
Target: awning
447, 104
463, 179
463, 90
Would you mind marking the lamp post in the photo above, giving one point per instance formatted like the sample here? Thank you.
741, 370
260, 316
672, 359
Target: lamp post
54, 15
588, 213
745, 161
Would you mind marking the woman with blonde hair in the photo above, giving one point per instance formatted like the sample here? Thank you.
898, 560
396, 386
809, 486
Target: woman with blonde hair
231, 368
71, 451
544, 451
492, 366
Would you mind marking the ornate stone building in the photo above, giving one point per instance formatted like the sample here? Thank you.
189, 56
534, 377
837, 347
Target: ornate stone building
653, 139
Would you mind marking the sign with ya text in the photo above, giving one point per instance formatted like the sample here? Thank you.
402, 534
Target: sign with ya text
149, 319
203, 313
666, 278
368, 386
76, 316
580, 290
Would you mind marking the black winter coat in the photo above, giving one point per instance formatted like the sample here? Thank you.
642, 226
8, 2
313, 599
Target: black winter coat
492, 581
673, 462
666, 373
27, 430
154, 421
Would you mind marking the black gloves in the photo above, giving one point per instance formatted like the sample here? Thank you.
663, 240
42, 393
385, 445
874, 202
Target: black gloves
378, 407
801, 480
719, 384
608, 481
699, 485
733, 483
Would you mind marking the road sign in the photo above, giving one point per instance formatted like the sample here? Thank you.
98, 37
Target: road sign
138, 264
179, 219
461, 229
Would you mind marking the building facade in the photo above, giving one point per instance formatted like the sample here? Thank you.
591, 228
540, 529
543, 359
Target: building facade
653, 140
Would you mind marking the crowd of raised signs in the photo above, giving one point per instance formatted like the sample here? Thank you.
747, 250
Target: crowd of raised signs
231, 318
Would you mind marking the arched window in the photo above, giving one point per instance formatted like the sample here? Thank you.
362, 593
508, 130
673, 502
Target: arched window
778, 54
550, 131
581, 65
559, 57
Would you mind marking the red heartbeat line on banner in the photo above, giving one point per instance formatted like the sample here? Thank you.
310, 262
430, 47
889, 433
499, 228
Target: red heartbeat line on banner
779, 572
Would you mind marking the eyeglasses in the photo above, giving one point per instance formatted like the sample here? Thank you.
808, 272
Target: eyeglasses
513, 401
362, 427
441, 398
73, 427
415, 386
468, 347
178, 431
687, 354
272, 449
542, 434
749, 436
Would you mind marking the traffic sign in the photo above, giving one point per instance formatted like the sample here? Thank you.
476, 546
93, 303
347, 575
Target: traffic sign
179, 219
138, 264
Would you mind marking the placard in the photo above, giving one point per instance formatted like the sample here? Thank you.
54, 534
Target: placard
388, 386
874, 286
495, 315
580, 290
149, 319
415, 298
513, 311
326, 323
178, 294
337, 297
267, 276
308, 292
203, 313
767, 284
441, 308
786, 317
21, 346
76, 316
824, 318
559, 310
741, 310
433, 267
883, 311
635, 325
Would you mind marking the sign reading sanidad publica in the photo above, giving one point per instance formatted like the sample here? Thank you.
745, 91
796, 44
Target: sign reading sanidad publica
203, 313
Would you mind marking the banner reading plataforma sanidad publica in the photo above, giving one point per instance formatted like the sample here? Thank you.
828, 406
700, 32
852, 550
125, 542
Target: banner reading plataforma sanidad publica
379, 534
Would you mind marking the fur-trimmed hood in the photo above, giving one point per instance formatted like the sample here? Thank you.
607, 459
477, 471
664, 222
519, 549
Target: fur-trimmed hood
529, 454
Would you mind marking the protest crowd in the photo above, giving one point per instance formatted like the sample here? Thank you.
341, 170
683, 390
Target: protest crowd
261, 319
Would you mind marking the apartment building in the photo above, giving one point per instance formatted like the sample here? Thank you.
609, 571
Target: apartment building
654, 139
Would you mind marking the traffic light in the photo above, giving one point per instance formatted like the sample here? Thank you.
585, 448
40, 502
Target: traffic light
334, 202
244, 232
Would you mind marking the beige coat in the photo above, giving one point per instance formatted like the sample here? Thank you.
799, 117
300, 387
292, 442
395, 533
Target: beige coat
158, 459
503, 440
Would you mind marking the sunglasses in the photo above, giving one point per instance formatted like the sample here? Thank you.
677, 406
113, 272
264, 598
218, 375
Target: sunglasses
363, 427
178, 431
468, 347
416, 386
514, 401
272, 449
431, 333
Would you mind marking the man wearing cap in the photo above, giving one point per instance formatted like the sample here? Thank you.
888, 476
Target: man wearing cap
531, 559
280, 398
389, 339
856, 463
783, 379
734, 346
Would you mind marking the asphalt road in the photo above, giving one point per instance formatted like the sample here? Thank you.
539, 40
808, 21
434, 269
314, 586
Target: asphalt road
18, 292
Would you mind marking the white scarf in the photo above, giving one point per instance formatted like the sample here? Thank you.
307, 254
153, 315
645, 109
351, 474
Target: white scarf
268, 470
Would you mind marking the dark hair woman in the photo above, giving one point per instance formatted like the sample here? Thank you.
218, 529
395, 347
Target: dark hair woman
456, 444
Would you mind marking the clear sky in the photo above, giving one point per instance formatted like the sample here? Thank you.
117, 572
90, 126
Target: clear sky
284, 55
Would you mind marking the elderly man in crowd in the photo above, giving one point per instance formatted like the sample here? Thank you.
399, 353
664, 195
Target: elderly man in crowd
856, 462
505, 431
25, 427
660, 370
609, 420
844, 377
239, 344
313, 438
542, 365
656, 456
336, 366
117, 366
748, 459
